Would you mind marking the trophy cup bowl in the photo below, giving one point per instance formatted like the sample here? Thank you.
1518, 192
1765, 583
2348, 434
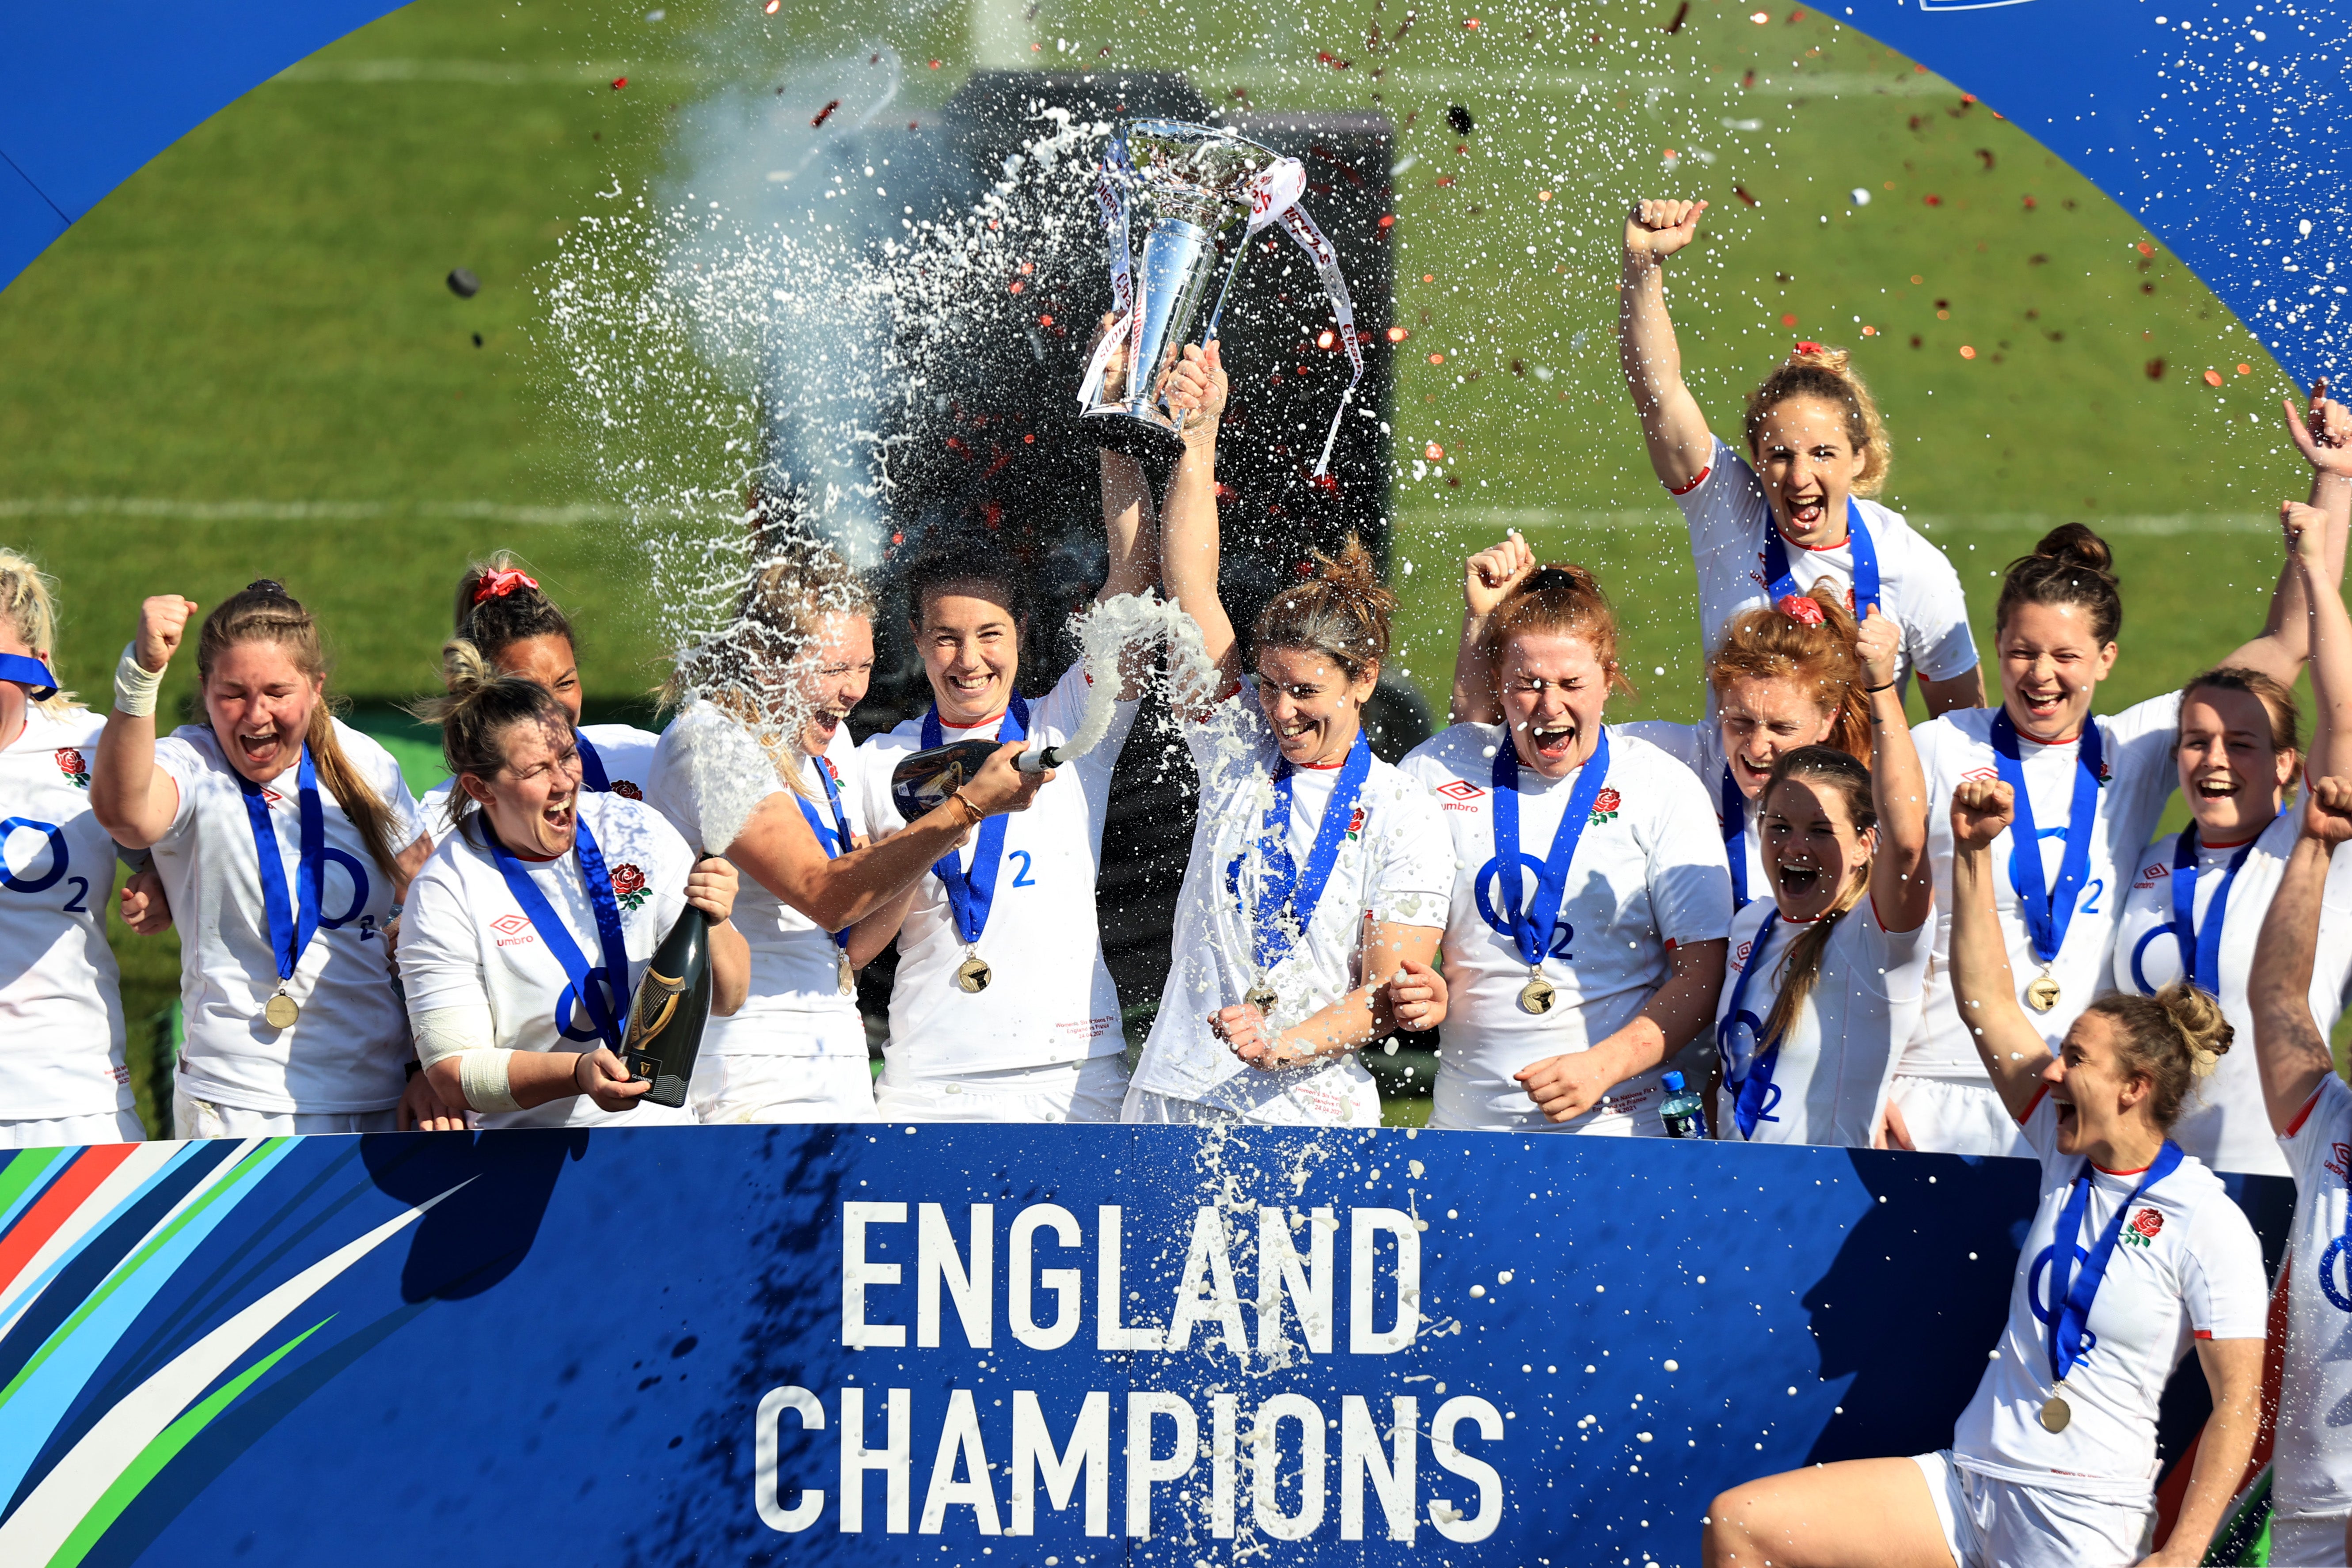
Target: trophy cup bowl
1190, 185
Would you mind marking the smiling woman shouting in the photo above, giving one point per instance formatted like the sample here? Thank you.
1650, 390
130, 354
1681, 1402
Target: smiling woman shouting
286, 840
1794, 516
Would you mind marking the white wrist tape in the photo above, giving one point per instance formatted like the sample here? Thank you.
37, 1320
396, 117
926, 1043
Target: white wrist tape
482, 1078
135, 684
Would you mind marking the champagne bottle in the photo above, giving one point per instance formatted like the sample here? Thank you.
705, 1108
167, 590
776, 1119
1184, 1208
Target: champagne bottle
671, 1007
920, 782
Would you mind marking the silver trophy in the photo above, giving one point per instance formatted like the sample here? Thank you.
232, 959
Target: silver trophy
1199, 191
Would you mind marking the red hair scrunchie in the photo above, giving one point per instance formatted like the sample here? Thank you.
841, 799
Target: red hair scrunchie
499, 584
1804, 611
1803, 347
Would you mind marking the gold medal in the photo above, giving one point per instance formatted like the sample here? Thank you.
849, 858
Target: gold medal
279, 1012
2041, 996
1535, 996
973, 974
849, 977
2056, 1413
1263, 999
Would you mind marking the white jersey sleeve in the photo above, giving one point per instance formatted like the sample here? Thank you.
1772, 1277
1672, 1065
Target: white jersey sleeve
708, 774
2311, 1462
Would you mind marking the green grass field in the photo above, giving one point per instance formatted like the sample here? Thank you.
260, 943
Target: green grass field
245, 362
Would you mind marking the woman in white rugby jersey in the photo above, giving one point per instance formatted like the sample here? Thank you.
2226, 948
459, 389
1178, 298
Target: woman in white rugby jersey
758, 767
2310, 1111
511, 622
1793, 516
1003, 1008
286, 840
1587, 916
1315, 892
528, 930
1784, 676
2090, 791
2136, 1252
62, 1075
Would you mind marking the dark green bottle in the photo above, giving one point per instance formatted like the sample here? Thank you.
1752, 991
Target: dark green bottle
672, 1005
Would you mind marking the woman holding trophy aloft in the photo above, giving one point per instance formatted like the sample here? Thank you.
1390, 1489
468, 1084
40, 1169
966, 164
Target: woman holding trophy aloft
1316, 890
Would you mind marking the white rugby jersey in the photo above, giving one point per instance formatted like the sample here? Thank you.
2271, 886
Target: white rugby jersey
2311, 1463
2223, 1121
1699, 748
2137, 756
1729, 522
626, 752
60, 993
1393, 866
349, 1048
1830, 1077
1649, 873
465, 942
2186, 1267
795, 963
1049, 997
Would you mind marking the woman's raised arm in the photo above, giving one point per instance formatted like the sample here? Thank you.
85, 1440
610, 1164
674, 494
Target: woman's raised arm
1680, 444
2013, 1050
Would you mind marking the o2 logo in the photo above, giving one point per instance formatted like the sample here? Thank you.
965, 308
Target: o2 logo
2047, 1312
357, 880
2139, 949
59, 859
1490, 901
1727, 1050
2339, 1299
568, 1007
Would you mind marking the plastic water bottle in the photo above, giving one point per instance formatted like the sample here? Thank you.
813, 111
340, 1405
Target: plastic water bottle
1684, 1111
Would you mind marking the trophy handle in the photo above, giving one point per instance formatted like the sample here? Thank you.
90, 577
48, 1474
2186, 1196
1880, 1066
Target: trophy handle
1225, 289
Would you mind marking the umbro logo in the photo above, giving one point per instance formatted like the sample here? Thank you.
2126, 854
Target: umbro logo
513, 931
1460, 789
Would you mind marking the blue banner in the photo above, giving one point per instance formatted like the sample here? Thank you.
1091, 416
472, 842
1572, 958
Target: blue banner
1150, 1345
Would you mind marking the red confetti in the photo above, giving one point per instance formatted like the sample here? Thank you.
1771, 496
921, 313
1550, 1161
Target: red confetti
1388, 220
1470, 24
1325, 57
1966, 99
935, 65
1935, 200
2212, 378
1324, 482
824, 114
1398, 334
1788, 321
2029, 204
1967, 352
1017, 285
1326, 339
1742, 192
1434, 452
2145, 248
1437, 359
2245, 370
619, 83
1045, 320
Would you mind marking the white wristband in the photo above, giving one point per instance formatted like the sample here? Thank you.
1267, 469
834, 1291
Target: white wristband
482, 1077
135, 684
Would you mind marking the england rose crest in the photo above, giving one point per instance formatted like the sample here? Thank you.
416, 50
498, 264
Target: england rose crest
1356, 823
1604, 808
628, 885
74, 766
627, 790
2144, 1227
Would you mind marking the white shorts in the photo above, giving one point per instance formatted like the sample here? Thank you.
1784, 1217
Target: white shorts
65, 1131
1358, 1105
1945, 1116
2307, 1540
1990, 1524
780, 1088
1090, 1090
194, 1118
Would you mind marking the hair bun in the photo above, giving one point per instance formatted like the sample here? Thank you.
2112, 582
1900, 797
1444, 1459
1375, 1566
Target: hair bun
2075, 544
270, 586
1822, 354
2204, 1029
464, 670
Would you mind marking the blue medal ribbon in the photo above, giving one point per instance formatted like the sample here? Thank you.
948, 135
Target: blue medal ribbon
1783, 582
2200, 951
1287, 901
591, 766
2047, 915
1735, 838
1531, 931
290, 928
30, 673
2073, 1299
970, 894
606, 998
839, 835
1751, 1094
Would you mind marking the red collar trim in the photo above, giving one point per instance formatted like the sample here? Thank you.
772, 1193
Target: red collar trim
1323, 767
1811, 548
2233, 843
988, 723
2061, 741
2135, 1171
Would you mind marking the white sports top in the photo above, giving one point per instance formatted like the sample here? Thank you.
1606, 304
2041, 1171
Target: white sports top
1649, 873
1830, 1077
2140, 774
60, 994
1729, 522
1699, 748
696, 780
1050, 997
2186, 1267
1394, 867
349, 1048
2312, 1458
466, 942
2223, 1121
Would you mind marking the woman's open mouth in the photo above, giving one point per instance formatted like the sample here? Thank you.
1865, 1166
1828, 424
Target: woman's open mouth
2065, 1110
2050, 705
2216, 786
1799, 880
1805, 513
1751, 775
1552, 742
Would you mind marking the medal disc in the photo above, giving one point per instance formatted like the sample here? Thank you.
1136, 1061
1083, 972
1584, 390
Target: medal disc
2056, 1414
1535, 996
849, 977
973, 974
1262, 999
2041, 996
280, 1012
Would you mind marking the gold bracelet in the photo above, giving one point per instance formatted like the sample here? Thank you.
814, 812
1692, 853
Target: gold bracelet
978, 815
